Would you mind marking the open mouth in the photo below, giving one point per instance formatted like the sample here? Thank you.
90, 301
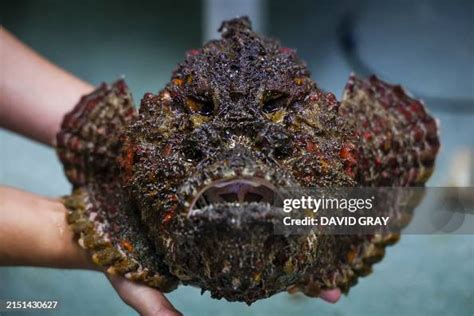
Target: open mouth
237, 192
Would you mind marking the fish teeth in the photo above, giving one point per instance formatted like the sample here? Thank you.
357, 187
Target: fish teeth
229, 173
247, 172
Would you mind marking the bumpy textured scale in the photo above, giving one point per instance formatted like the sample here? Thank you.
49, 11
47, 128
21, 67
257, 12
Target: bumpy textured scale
179, 192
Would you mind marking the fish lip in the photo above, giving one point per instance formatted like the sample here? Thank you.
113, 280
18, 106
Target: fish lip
234, 217
247, 180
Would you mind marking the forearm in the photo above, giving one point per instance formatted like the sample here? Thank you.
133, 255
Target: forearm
34, 93
34, 232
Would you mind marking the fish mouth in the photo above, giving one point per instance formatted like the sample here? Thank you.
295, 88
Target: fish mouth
237, 192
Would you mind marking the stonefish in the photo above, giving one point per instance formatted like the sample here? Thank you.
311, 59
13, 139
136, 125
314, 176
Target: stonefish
181, 191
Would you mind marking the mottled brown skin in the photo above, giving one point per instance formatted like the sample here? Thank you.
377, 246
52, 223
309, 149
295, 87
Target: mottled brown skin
243, 108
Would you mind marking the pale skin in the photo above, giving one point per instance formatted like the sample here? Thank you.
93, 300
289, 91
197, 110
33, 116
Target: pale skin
34, 96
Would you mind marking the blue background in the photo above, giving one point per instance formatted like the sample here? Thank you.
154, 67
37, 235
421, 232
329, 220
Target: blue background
426, 45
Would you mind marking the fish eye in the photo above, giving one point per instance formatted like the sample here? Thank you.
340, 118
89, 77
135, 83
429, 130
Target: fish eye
273, 101
202, 106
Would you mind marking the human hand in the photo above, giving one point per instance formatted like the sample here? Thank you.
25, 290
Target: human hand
145, 300
34, 232
331, 296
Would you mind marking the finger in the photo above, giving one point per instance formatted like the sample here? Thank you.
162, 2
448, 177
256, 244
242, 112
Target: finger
145, 300
331, 296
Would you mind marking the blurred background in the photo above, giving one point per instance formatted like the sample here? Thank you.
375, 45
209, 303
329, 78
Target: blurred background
428, 46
